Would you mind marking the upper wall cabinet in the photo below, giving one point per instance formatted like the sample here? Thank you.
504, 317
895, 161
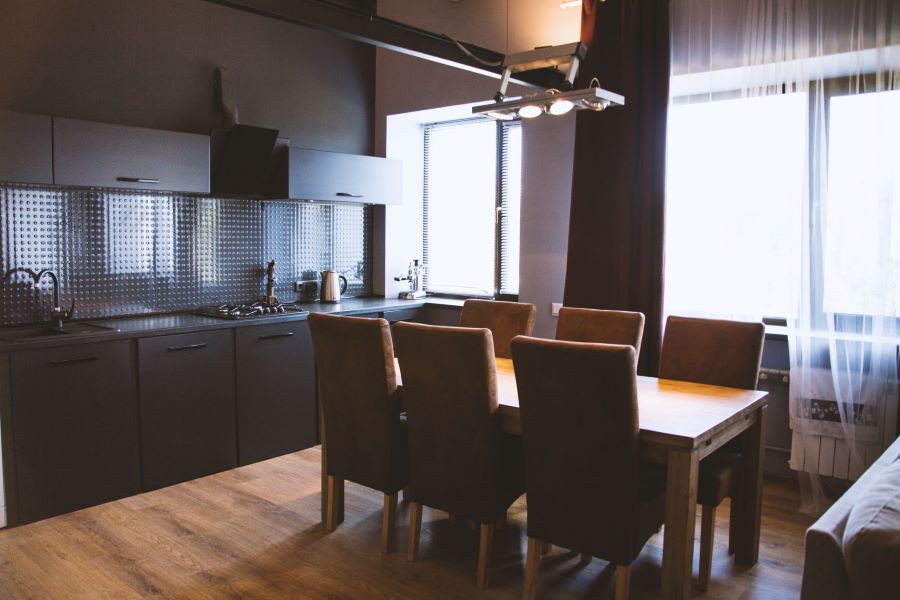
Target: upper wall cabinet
116, 156
26, 148
335, 177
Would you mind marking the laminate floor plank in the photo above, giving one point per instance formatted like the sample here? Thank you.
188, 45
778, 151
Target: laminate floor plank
255, 532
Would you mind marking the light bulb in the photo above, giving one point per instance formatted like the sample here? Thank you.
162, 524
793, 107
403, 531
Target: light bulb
561, 107
530, 111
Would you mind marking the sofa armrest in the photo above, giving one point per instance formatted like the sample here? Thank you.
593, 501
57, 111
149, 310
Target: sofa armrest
824, 573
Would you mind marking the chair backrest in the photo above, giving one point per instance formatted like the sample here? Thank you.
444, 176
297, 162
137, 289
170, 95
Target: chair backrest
580, 428
506, 320
712, 351
450, 395
600, 326
360, 404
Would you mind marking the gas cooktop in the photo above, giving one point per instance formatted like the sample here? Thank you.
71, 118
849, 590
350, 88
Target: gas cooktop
249, 311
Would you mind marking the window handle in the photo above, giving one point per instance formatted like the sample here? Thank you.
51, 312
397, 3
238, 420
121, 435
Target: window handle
349, 195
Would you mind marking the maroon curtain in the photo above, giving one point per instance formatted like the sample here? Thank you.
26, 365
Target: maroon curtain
615, 257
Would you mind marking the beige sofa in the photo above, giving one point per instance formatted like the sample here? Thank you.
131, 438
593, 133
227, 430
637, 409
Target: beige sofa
853, 550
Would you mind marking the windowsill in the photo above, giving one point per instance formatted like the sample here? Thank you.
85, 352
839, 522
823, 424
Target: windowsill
786, 331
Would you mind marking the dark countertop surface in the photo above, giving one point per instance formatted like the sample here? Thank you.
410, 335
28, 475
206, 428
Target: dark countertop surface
175, 323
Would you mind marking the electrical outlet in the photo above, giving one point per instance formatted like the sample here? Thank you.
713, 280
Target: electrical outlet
554, 308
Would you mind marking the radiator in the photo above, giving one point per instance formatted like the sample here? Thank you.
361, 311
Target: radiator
831, 456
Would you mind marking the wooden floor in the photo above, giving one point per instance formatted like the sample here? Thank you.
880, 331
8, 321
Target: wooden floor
254, 532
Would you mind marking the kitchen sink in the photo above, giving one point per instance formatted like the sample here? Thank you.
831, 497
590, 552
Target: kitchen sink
35, 332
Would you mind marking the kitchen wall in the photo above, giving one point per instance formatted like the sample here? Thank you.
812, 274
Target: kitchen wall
150, 63
404, 84
120, 252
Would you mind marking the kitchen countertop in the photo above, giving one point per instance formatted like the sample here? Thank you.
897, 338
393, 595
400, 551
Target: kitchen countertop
173, 323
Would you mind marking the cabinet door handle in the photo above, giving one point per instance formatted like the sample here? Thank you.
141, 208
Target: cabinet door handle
349, 195
138, 179
273, 336
191, 347
69, 361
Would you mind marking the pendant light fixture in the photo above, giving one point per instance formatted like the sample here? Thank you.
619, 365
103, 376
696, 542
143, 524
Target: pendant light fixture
551, 101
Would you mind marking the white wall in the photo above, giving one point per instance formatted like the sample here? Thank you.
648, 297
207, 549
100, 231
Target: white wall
404, 84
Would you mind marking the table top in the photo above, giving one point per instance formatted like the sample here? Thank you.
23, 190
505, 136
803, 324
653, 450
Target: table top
673, 414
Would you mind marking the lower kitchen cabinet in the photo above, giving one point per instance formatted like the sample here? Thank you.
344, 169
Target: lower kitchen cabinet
187, 406
276, 390
75, 427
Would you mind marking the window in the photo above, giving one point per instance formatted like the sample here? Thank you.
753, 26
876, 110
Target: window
734, 199
738, 204
471, 207
863, 130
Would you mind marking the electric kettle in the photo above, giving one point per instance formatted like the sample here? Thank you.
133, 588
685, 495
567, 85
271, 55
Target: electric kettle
333, 285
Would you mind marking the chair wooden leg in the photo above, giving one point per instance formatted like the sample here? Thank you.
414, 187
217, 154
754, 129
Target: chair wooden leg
731, 527
623, 580
387, 522
546, 547
415, 526
335, 488
707, 536
532, 564
485, 545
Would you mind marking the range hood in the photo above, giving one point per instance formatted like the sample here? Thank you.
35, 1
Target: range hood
243, 160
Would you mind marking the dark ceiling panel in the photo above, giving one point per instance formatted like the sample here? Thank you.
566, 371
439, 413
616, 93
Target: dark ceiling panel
354, 20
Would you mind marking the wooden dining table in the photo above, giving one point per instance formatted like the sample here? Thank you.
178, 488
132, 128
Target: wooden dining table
680, 424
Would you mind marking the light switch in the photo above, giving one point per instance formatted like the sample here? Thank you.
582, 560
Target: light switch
554, 308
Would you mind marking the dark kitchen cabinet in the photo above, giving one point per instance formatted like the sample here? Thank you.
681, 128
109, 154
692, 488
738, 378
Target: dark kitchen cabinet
336, 177
75, 427
115, 156
276, 390
26, 148
187, 400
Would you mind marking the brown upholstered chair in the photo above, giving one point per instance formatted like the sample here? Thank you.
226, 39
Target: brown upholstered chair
365, 438
600, 326
459, 460
506, 320
714, 352
587, 488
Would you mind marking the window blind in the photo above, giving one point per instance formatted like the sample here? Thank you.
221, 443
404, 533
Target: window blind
470, 212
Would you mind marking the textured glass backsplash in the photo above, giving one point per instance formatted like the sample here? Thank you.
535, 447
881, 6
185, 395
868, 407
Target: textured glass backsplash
123, 252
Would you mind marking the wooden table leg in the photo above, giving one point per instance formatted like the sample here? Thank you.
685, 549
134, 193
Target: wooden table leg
681, 510
339, 486
748, 500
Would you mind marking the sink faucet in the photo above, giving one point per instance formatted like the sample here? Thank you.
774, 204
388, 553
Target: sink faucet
57, 314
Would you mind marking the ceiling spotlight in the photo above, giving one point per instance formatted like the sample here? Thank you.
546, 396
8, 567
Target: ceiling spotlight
530, 111
554, 103
561, 107
551, 101
570, 4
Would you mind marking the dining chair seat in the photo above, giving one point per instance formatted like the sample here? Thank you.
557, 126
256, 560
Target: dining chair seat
718, 477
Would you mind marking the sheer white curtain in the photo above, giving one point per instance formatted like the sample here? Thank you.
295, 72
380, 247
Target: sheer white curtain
784, 201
